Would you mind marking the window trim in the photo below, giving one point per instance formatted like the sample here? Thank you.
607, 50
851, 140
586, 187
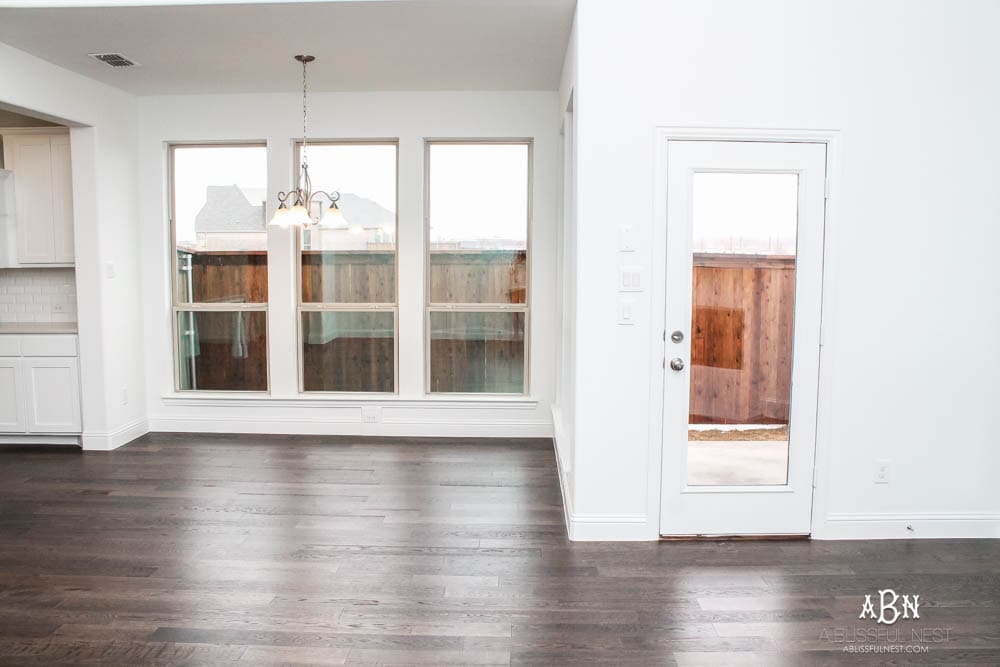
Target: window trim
176, 307
430, 306
302, 307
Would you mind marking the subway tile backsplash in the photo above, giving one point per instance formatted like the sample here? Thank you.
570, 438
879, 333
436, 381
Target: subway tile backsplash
37, 295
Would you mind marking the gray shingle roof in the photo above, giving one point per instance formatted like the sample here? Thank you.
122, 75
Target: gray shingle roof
227, 209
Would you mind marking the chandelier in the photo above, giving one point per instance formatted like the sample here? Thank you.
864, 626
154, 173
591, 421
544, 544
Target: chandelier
295, 206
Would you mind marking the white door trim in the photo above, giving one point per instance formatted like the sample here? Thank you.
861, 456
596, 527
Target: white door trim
663, 134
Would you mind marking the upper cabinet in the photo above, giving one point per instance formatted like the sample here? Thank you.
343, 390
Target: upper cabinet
43, 195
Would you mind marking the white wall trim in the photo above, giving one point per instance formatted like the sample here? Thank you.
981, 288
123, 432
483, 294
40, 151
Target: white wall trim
28, 439
202, 400
564, 491
608, 527
889, 525
561, 441
106, 441
351, 425
661, 135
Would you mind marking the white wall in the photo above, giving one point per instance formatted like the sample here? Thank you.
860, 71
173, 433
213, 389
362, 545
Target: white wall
104, 186
911, 351
411, 117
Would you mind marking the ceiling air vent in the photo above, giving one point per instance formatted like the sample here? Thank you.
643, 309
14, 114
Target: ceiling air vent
113, 59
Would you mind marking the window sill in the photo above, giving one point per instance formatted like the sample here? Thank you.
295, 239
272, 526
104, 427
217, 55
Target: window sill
458, 401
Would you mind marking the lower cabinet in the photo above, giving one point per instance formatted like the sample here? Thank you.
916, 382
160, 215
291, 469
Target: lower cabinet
11, 394
40, 394
52, 386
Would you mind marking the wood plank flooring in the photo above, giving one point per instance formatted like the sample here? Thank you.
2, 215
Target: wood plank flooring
206, 549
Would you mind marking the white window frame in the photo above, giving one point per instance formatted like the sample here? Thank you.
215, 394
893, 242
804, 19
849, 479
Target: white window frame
177, 307
432, 307
301, 308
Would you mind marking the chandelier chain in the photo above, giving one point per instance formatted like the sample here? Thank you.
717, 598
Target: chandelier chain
305, 91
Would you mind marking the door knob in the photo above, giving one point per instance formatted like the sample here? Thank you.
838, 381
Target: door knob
677, 364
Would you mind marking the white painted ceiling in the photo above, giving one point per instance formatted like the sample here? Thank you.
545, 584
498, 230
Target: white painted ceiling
359, 45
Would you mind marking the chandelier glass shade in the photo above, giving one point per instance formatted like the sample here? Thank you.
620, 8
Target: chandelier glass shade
296, 206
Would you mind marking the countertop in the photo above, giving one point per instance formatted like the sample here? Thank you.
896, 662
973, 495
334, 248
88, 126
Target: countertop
37, 328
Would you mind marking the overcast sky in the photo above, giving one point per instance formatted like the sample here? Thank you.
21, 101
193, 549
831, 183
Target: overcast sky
751, 211
476, 192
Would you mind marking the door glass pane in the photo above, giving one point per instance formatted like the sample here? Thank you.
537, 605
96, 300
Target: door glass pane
224, 351
218, 209
477, 352
478, 223
743, 291
352, 259
348, 351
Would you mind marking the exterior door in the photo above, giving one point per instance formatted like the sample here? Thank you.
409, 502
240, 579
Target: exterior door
743, 296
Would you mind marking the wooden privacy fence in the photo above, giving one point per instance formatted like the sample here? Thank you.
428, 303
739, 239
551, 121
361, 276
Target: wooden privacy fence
741, 338
347, 352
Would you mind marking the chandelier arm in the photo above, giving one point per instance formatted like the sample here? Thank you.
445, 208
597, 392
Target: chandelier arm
332, 195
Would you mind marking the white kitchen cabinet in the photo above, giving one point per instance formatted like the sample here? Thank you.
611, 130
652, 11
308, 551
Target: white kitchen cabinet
43, 194
11, 397
39, 384
52, 385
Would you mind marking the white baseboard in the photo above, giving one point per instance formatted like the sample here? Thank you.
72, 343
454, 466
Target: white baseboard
565, 491
593, 527
562, 441
888, 526
432, 427
609, 528
106, 441
20, 439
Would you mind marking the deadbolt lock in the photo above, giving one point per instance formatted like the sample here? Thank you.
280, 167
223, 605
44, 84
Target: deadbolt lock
677, 336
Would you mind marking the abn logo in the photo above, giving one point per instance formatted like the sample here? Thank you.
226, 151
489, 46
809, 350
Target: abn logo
887, 604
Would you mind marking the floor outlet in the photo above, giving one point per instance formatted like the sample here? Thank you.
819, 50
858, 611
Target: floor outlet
371, 414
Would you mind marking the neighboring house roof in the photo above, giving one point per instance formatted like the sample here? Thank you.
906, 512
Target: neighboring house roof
227, 209
365, 212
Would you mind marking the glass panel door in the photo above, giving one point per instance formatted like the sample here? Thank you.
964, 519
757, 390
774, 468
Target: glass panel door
743, 305
743, 288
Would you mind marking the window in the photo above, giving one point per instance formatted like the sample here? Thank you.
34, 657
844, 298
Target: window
478, 213
347, 273
219, 266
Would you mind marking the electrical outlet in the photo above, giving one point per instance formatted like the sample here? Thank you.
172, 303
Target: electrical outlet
58, 307
371, 414
882, 471
626, 240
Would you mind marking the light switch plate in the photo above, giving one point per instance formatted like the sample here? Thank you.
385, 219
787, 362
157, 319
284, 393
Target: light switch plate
630, 279
626, 311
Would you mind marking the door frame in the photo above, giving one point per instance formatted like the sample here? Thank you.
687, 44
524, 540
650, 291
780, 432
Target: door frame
662, 135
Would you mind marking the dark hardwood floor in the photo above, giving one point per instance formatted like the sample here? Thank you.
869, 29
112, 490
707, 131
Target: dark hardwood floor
195, 549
